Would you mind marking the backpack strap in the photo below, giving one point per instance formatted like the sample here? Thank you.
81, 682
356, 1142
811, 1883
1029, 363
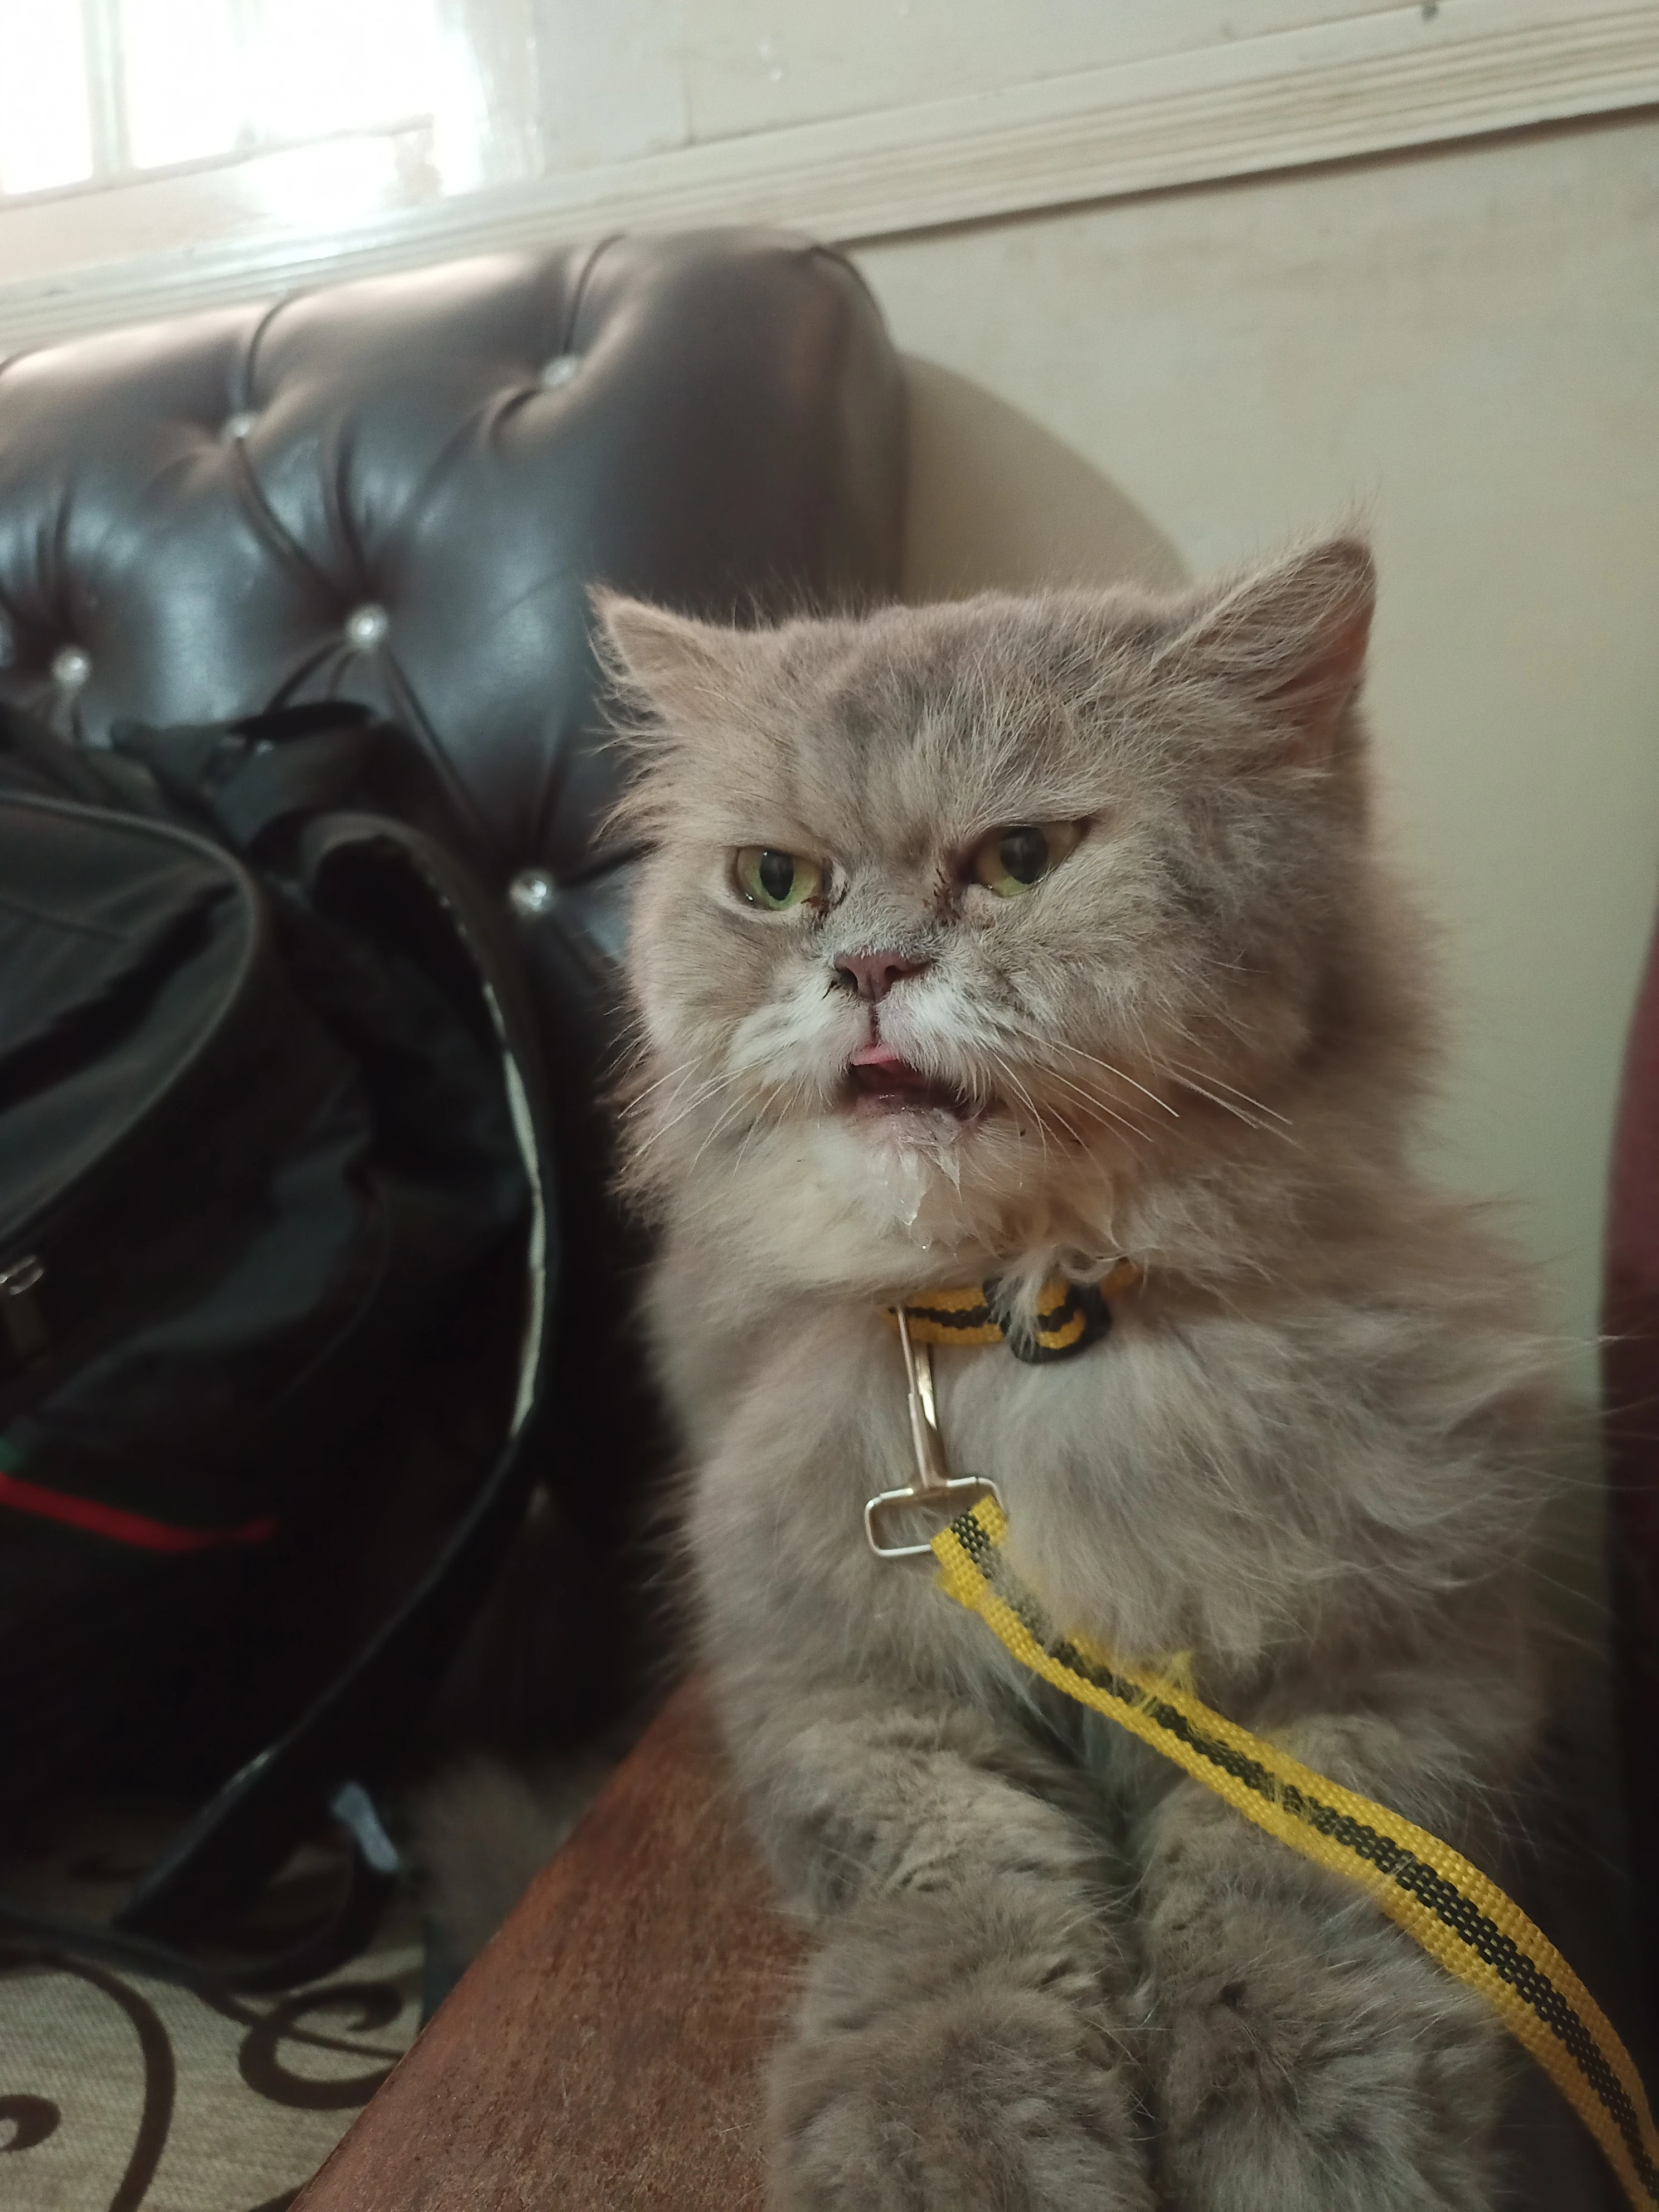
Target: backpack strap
242, 1836
368, 1883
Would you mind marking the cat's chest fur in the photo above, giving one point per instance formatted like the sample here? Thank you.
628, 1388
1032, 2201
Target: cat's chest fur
1143, 1510
1116, 1476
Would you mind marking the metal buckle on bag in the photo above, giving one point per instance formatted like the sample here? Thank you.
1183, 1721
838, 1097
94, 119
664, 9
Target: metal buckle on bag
935, 1487
22, 1326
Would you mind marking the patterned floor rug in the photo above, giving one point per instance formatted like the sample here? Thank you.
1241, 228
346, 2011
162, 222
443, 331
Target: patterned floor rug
122, 2094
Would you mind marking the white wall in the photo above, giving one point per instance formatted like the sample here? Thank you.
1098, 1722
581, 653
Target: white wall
644, 77
1464, 345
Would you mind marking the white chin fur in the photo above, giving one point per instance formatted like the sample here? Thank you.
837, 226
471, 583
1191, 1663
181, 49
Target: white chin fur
844, 1201
893, 1178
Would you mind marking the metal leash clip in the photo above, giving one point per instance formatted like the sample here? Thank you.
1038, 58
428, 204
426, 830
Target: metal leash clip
935, 1487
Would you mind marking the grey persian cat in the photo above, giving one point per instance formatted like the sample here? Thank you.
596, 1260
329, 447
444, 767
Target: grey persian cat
997, 940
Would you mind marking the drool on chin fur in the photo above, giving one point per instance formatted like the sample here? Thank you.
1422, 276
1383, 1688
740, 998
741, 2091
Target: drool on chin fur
1089, 880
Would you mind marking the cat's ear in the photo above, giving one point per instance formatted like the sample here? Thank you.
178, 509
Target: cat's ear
1291, 639
683, 667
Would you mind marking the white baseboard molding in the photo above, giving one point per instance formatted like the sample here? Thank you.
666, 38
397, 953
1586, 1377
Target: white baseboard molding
1403, 76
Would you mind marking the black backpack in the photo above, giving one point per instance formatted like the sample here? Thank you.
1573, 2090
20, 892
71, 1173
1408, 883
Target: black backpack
274, 1268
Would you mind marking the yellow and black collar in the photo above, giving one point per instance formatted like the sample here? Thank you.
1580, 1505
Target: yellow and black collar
1069, 1316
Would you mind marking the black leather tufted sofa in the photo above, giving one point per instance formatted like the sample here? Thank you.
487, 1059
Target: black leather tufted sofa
398, 492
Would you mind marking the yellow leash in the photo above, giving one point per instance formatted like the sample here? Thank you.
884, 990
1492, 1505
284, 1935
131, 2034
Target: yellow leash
1433, 1892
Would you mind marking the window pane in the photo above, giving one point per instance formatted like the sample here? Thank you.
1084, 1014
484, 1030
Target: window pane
46, 131
182, 80
326, 65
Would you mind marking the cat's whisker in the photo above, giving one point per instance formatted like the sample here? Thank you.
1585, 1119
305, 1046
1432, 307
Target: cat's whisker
1278, 1127
734, 1107
707, 1091
1097, 1108
1021, 1092
649, 1112
1185, 1067
1071, 1129
798, 1093
686, 1073
749, 1136
1239, 1113
685, 1069
1119, 1076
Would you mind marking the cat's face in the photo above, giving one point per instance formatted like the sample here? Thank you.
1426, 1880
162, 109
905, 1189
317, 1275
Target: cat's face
957, 918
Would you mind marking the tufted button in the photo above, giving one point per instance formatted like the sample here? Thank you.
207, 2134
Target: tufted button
237, 426
367, 626
71, 668
560, 370
532, 891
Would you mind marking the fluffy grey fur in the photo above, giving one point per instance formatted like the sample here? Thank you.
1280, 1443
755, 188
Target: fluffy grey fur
482, 1831
1053, 1973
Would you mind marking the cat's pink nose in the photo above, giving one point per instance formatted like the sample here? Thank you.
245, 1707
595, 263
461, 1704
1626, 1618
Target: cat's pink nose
872, 975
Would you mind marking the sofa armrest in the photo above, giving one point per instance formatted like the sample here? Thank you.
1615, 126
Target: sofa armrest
605, 2051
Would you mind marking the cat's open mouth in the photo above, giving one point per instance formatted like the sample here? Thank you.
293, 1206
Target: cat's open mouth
883, 1083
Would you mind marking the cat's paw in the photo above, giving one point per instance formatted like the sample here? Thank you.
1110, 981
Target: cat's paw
944, 2075
1302, 2075
939, 2109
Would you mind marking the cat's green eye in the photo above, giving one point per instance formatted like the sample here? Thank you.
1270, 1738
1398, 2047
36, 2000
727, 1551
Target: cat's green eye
775, 880
1008, 861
